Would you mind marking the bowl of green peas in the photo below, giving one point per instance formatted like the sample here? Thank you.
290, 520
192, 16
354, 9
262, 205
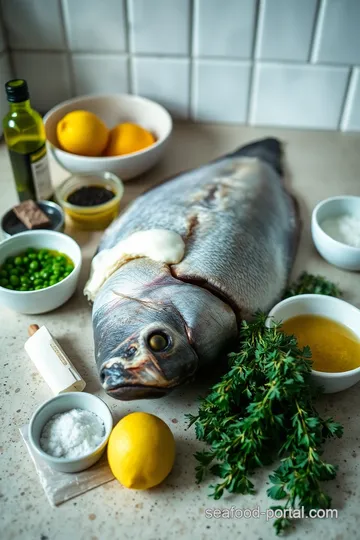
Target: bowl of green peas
39, 270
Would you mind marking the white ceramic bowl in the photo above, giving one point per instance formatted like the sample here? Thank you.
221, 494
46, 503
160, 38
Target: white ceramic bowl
334, 252
113, 109
332, 308
60, 404
45, 299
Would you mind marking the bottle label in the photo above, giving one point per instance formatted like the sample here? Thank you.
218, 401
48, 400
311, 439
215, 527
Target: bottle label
41, 173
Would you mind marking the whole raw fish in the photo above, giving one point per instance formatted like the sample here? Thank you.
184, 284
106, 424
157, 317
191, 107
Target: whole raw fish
155, 322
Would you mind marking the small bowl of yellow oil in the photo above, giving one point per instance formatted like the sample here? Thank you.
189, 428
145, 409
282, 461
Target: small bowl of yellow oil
91, 201
331, 328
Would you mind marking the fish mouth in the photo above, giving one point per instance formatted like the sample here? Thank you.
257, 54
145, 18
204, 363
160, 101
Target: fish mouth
128, 392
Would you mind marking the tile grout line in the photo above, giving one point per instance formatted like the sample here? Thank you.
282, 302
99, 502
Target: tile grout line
128, 31
64, 25
318, 26
258, 23
348, 99
7, 50
192, 7
314, 31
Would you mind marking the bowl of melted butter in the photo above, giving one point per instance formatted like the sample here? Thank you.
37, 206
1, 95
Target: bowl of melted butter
331, 328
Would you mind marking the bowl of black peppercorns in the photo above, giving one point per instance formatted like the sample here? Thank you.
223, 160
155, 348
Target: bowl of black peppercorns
90, 200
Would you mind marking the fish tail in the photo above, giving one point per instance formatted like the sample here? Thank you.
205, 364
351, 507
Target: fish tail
269, 150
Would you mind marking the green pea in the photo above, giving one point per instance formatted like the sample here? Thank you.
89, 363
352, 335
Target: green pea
25, 260
32, 278
69, 268
3, 274
14, 272
4, 282
52, 282
32, 256
23, 288
10, 287
38, 282
44, 274
37, 275
34, 265
46, 284
9, 266
38, 287
25, 280
14, 280
18, 261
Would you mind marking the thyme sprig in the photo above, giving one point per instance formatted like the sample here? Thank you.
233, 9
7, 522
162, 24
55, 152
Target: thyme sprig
263, 409
310, 284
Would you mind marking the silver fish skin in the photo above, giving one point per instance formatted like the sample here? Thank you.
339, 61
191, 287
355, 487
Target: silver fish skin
240, 227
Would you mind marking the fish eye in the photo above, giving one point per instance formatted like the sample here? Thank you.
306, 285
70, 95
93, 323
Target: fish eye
158, 341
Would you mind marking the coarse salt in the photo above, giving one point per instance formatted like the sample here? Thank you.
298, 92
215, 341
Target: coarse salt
72, 434
344, 228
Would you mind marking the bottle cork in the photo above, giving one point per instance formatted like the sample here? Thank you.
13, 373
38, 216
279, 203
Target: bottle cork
51, 361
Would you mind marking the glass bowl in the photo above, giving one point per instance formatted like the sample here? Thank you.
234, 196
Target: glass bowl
96, 217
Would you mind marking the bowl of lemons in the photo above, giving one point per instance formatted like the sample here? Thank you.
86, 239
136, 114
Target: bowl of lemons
120, 133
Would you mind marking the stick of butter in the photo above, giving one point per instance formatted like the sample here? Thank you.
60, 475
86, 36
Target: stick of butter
52, 363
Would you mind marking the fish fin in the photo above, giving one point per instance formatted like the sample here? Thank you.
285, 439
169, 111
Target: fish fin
269, 150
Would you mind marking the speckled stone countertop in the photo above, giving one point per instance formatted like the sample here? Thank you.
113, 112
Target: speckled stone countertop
321, 164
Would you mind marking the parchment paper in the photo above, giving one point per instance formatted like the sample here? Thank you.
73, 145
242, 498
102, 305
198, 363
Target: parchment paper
60, 487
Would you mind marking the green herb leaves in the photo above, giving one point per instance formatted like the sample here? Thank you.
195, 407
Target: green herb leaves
309, 284
263, 409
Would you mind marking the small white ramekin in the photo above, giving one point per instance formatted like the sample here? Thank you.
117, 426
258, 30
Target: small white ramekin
60, 404
51, 297
334, 252
332, 308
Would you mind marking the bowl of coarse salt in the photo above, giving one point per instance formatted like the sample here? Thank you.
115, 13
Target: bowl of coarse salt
335, 228
70, 431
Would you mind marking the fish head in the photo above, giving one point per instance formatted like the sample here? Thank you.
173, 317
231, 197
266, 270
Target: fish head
143, 348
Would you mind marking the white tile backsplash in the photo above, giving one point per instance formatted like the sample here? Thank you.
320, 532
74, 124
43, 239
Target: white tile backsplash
229, 81
3, 43
33, 24
5, 75
100, 73
272, 62
95, 25
47, 75
165, 81
351, 116
160, 26
285, 29
298, 96
224, 29
338, 33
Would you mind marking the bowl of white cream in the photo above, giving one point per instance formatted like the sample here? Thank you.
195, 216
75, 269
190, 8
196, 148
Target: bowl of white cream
335, 228
70, 431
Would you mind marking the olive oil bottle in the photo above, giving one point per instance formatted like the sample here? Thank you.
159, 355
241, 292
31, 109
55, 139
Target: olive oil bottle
26, 141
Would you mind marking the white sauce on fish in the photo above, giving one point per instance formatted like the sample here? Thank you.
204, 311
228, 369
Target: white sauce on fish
158, 244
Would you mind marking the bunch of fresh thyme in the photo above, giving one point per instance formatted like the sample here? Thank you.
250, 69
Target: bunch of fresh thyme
263, 409
309, 284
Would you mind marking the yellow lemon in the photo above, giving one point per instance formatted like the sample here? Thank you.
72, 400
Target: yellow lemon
141, 450
128, 138
83, 133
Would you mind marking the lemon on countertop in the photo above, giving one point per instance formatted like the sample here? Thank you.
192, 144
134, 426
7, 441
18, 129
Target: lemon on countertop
141, 450
83, 133
128, 138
